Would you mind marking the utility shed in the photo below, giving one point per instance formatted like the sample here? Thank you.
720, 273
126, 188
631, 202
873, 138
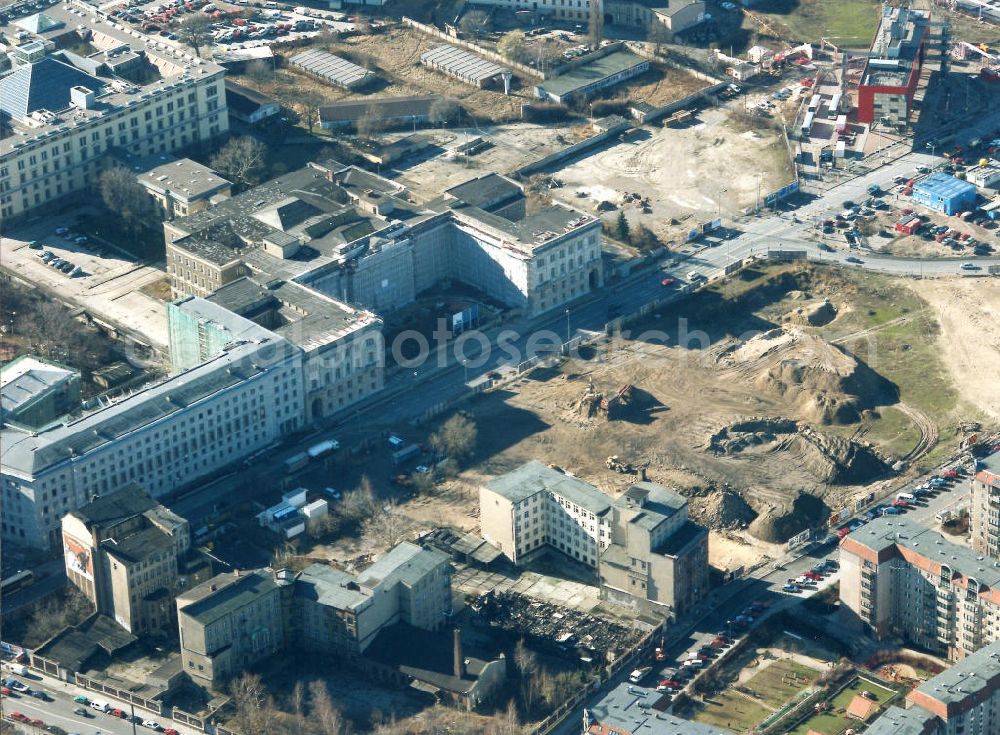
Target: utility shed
944, 193
591, 75
333, 69
464, 65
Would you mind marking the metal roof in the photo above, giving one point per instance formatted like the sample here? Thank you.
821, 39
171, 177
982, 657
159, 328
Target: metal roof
333, 68
898, 721
26, 378
592, 72
944, 186
630, 709
462, 64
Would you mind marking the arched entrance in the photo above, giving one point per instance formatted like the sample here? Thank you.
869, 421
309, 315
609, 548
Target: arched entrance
317, 408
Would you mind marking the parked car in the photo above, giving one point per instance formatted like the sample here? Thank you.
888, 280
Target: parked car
638, 675
791, 588
152, 725
82, 712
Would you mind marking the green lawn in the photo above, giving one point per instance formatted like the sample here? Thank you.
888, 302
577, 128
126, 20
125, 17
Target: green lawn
834, 721
732, 712
849, 23
781, 681
893, 431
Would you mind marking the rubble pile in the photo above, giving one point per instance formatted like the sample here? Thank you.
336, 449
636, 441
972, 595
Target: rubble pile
556, 629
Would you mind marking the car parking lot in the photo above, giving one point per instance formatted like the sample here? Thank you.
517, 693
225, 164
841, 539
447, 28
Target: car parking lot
80, 271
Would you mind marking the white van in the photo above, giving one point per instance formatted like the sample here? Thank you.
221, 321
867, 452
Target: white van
18, 669
100, 706
908, 497
695, 276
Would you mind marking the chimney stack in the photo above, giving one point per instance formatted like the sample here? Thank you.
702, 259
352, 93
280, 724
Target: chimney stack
458, 661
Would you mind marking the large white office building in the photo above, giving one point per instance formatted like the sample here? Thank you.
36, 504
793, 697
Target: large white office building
237, 401
64, 110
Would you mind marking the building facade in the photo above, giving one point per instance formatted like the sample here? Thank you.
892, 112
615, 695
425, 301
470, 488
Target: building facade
898, 578
658, 558
892, 72
235, 620
68, 111
984, 508
945, 193
231, 622
343, 613
180, 186
129, 556
167, 436
642, 547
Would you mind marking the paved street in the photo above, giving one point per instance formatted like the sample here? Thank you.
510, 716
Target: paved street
60, 711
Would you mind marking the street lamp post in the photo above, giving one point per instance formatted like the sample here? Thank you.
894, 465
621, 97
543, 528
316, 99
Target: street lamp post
567, 324
465, 364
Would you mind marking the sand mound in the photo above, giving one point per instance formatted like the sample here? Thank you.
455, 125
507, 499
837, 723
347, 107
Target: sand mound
817, 314
831, 460
825, 384
776, 526
721, 509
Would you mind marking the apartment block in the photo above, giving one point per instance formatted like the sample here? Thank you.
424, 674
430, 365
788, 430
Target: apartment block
235, 620
66, 110
130, 556
644, 550
963, 700
984, 508
243, 397
898, 578
231, 622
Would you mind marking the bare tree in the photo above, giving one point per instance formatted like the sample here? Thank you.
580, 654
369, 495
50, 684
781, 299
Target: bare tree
307, 104
595, 24
474, 21
456, 438
255, 710
124, 196
511, 45
658, 34
196, 32
329, 718
444, 111
260, 72
299, 701
527, 665
387, 526
241, 160
360, 503
370, 124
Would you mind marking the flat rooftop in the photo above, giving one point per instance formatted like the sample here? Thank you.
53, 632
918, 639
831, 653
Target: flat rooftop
895, 48
534, 232
966, 679
179, 177
632, 710
591, 72
534, 477
898, 721
310, 319
225, 594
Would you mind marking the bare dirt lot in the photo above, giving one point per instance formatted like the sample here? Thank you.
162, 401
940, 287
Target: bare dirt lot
711, 167
800, 387
969, 313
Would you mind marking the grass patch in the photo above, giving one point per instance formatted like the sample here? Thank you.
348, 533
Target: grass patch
780, 681
731, 711
835, 721
848, 23
893, 431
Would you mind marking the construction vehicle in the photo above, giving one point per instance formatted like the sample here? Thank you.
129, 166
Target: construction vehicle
621, 398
